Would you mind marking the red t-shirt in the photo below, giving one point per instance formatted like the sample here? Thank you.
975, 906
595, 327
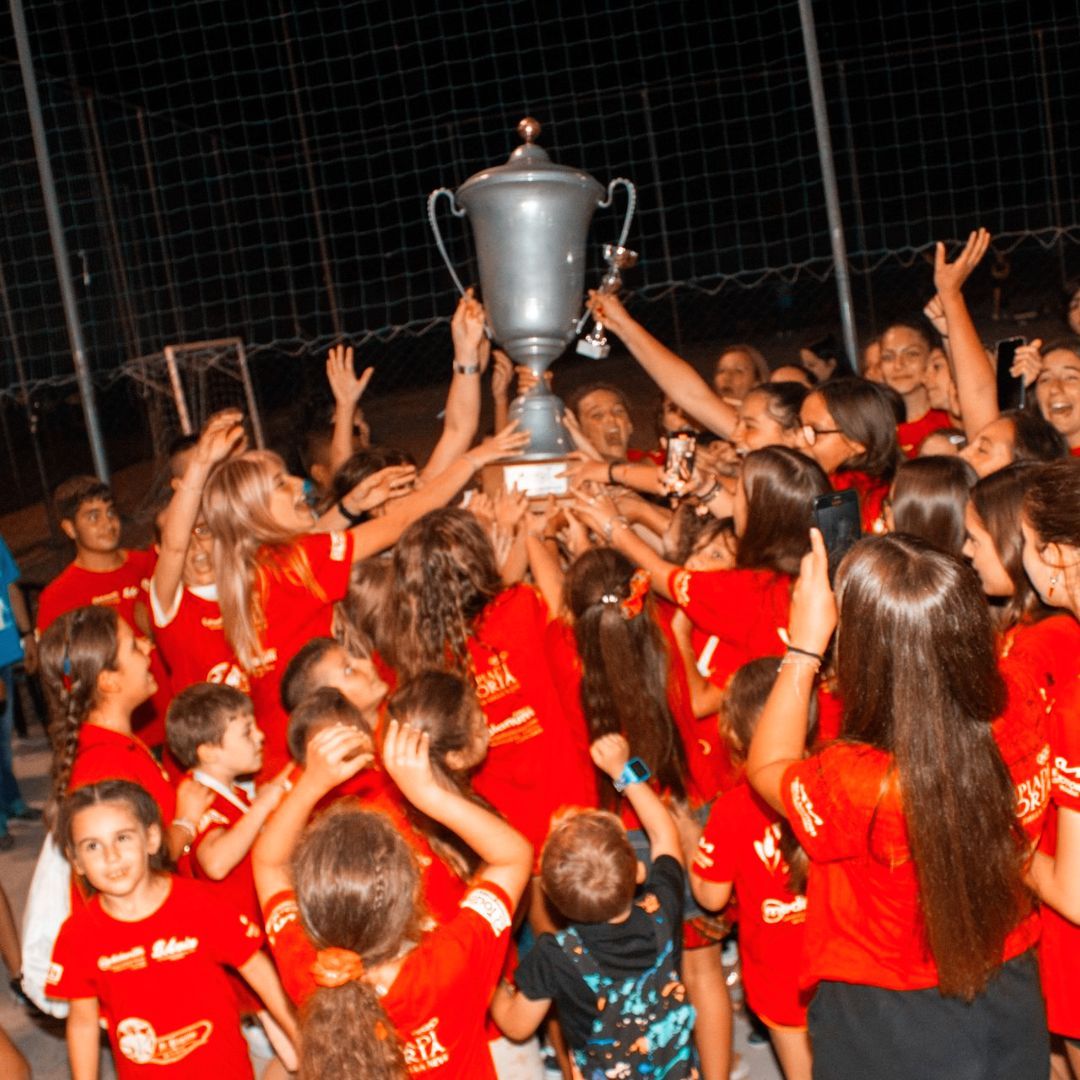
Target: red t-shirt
535, 764
1074, 451
75, 587
104, 754
160, 983
1050, 649
294, 614
741, 844
911, 433
439, 999
191, 640
872, 493
745, 610
236, 890
864, 923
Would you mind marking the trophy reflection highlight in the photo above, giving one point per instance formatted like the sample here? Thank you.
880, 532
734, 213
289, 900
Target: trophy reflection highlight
595, 344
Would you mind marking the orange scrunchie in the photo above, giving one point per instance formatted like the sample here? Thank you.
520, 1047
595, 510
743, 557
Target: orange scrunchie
639, 588
335, 967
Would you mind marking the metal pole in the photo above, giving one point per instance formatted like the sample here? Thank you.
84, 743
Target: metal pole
59, 243
828, 177
665, 245
1051, 156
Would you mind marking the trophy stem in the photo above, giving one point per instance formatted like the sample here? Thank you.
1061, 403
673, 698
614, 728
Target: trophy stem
540, 413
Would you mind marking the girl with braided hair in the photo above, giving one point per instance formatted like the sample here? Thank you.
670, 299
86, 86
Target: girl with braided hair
96, 673
450, 612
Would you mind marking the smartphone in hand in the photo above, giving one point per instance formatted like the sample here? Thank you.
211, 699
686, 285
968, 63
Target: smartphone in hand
837, 517
1010, 388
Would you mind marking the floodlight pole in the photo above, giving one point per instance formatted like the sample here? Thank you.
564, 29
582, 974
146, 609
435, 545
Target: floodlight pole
59, 244
828, 178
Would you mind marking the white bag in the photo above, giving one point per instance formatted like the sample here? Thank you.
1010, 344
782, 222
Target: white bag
47, 908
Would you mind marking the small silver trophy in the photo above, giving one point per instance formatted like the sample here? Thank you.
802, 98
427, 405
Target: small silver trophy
618, 258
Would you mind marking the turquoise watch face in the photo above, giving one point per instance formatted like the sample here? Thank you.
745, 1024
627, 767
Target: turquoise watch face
635, 771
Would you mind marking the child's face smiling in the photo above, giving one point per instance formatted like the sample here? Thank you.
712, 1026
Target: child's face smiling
112, 849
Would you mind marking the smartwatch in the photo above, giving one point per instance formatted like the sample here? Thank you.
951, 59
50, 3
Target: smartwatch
635, 771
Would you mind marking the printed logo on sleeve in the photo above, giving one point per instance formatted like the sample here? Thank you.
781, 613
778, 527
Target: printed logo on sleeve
56, 973
805, 808
1067, 778
703, 857
680, 587
141, 1044
337, 546
280, 916
490, 908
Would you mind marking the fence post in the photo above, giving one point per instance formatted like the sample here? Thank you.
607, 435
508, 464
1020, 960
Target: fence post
59, 244
828, 178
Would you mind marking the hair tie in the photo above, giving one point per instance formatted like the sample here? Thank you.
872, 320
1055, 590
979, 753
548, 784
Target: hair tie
639, 588
335, 967
609, 598
65, 670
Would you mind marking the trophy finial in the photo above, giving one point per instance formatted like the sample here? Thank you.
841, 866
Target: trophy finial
529, 130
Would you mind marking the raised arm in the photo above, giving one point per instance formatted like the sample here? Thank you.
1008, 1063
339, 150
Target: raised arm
462, 417
223, 433
976, 382
348, 389
671, 373
506, 854
333, 756
780, 736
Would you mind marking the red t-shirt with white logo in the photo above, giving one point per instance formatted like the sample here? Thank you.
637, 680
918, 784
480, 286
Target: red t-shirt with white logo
744, 610
1050, 651
535, 763
75, 587
160, 983
741, 844
864, 922
294, 614
439, 999
191, 640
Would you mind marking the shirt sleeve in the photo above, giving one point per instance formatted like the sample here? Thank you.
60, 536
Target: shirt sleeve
71, 972
714, 859
233, 936
290, 946
537, 976
1065, 748
713, 600
330, 557
667, 881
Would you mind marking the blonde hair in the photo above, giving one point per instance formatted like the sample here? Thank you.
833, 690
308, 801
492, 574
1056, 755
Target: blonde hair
250, 547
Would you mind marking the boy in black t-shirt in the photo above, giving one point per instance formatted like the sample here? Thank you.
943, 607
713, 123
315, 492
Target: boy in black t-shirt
614, 973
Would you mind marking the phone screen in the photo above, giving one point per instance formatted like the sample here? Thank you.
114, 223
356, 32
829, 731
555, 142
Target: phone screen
837, 517
679, 463
1010, 388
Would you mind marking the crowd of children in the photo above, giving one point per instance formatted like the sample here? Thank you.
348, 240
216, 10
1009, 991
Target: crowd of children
389, 774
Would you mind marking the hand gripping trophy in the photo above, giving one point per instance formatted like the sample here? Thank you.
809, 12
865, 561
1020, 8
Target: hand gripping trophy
529, 219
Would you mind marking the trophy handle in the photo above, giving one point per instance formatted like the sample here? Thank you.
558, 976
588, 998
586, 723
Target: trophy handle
631, 204
433, 198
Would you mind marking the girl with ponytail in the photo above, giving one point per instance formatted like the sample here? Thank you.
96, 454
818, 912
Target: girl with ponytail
96, 673
346, 926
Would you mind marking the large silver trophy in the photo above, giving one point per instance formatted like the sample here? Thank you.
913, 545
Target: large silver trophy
529, 219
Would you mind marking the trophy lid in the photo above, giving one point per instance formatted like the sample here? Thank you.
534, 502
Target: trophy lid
530, 163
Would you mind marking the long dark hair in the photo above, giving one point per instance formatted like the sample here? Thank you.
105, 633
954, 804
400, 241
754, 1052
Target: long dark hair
998, 500
445, 574
916, 618
780, 485
928, 500
356, 887
625, 665
863, 413
77, 647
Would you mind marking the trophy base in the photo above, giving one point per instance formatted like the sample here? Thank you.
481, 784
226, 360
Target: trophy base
595, 350
537, 479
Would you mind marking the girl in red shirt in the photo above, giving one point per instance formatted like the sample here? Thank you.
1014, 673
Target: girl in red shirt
850, 431
1051, 555
749, 850
147, 953
96, 673
277, 580
390, 999
917, 821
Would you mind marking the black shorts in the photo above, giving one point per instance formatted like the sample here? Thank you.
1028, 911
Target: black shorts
867, 1033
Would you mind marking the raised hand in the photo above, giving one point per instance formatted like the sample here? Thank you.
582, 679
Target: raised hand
376, 489
504, 443
334, 755
608, 309
346, 387
502, 374
1027, 362
949, 277
813, 605
467, 326
222, 434
406, 756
